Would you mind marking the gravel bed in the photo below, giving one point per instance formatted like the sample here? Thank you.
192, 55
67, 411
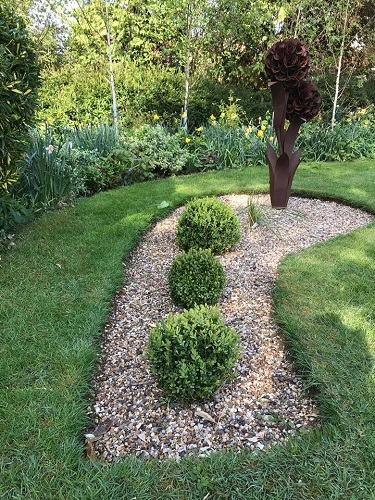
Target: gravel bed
265, 403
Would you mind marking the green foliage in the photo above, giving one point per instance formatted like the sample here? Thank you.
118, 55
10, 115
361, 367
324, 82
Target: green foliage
101, 138
196, 277
47, 175
192, 353
75, 94
151, 151
12, 212
19, 78
351, 138
208, 223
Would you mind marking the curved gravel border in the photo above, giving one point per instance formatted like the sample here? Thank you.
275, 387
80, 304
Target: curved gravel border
265, 403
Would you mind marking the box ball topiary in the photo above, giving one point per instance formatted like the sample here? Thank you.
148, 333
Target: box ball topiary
208, 223
192, 353
196, 277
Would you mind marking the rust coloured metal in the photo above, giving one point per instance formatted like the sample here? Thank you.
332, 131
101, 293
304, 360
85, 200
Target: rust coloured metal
294, 99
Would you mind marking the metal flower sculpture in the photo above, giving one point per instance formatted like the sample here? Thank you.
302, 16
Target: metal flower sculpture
293, 98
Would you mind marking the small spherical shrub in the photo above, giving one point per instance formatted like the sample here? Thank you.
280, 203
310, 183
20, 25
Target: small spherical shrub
208, 223
196, 277
192, 353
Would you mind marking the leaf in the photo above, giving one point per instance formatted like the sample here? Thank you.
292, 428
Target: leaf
163, 204
90, 453
205, 415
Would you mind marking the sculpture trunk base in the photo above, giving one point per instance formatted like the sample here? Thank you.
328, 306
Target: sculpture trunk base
281, 170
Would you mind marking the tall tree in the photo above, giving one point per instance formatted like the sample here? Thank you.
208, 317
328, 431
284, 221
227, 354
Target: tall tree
340, 36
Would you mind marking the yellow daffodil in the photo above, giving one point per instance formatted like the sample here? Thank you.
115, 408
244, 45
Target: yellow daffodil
184, 114
213, 118
187, 140
271, 138
155, 117
260, 134
263, 128
199, 129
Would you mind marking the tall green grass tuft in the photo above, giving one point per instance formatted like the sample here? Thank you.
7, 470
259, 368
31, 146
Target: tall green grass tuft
101, 138
47, 177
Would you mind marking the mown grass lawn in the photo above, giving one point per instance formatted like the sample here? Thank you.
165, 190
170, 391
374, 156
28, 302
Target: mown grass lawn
56, 288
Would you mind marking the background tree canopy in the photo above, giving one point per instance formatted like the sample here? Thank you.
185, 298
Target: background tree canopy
225, 47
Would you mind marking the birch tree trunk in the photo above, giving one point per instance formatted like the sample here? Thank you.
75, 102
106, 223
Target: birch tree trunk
341, 55
111, 75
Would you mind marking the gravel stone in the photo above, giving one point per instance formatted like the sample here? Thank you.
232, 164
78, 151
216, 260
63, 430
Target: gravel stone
265, 403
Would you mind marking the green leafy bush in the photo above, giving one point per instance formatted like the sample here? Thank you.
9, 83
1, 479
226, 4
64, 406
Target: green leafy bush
208, 223
19, 78
149, 152
192, 353
196, 277
12, 212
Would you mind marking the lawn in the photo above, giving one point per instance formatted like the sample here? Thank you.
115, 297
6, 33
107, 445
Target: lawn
56, 289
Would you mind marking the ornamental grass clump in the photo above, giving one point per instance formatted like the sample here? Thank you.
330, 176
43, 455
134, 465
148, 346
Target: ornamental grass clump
192, 353
208, 223
196, 277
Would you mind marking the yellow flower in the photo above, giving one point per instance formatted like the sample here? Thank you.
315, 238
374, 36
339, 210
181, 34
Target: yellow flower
260, 134
187, 140
50, 120
233, 116
263, 128
199, 129
222, 115
271, 138
184, 114
155, 117
213, 118
348, 120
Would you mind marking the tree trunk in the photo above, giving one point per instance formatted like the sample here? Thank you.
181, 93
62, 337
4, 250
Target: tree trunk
111, 75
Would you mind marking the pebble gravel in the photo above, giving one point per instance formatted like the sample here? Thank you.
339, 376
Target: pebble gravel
266, 402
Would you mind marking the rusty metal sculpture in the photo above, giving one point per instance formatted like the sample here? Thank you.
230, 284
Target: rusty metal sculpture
294, 99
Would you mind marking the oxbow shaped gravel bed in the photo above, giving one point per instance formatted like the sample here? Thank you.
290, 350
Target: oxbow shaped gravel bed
265, 403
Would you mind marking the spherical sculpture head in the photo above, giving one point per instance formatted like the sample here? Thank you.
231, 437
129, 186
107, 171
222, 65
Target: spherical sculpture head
287, 61
304, 101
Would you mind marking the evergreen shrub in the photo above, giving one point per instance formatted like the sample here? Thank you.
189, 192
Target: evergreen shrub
196, 277
208, 223
192, 353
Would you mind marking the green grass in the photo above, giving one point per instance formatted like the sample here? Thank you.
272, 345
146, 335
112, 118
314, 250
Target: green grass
56, 288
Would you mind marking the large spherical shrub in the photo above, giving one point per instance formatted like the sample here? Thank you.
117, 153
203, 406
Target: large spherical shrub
196, 277
208, 223
192, 353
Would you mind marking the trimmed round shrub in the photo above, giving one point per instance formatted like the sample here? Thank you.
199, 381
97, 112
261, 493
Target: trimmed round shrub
196, 277
208, 223
192, 353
